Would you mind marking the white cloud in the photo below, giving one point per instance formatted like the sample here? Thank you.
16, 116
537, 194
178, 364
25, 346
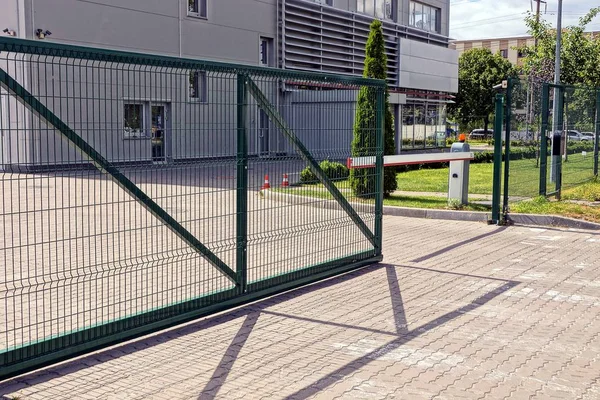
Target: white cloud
480, 19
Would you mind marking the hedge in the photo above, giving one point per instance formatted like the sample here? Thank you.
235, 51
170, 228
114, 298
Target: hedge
334, 170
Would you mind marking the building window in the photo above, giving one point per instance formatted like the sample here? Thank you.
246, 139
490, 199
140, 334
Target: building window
423, 125
134, 120
378, 8
264, 52
198, 86
197, 8
520, 54
504, 53
424, 17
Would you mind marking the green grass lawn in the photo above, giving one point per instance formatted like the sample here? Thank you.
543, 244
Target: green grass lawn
524, 182
541, 205
589, 191
432, 202
523, 178
436, 180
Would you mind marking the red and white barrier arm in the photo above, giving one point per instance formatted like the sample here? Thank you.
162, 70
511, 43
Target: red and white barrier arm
407, 159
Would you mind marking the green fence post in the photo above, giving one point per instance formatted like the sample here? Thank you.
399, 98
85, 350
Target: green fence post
242, 185
497, 183
544, 139
597, 133
559, 124
379, 172
507, 147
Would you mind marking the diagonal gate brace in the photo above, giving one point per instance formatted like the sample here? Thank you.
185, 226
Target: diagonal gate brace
32, 103
277, 118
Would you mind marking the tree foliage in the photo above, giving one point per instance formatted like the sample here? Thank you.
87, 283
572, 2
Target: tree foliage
580, 65
362, 181
478, 71
580, 52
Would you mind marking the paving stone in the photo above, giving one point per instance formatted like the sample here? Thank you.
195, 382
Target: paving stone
476, 312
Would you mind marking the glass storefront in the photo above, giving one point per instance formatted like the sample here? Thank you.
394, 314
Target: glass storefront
423, 124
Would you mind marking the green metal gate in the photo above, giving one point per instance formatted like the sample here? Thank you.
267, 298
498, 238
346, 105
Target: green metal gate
134, 192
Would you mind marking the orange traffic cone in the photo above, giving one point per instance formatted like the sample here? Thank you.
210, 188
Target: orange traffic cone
285, 182
266, 185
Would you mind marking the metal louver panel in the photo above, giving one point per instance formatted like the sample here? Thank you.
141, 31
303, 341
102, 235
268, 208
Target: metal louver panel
316, 37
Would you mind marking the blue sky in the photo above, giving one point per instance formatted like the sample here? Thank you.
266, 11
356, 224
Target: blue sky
479, 19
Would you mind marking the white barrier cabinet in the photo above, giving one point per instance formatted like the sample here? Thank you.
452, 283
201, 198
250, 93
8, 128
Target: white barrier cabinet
458, 178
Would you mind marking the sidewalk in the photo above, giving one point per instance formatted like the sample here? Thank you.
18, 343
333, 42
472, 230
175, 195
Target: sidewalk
457, 310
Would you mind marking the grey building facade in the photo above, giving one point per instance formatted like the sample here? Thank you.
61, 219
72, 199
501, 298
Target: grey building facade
309, 35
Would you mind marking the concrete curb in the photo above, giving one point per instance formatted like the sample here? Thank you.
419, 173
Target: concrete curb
453, 215
450, 215
552, 220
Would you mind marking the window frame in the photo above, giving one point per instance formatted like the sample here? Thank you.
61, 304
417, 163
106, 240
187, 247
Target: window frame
144, 132
196, 8
269, 51
430, 17
380, 5
199, 85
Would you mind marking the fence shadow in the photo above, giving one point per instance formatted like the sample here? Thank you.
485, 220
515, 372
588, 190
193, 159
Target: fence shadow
251, 314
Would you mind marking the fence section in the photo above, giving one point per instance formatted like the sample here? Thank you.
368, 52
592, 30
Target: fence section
553, 146
134, 191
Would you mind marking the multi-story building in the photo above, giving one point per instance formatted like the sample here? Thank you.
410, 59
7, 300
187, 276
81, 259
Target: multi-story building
507, 47
309, 35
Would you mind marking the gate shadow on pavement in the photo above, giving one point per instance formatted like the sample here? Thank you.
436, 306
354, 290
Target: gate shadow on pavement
459, 244
252, 314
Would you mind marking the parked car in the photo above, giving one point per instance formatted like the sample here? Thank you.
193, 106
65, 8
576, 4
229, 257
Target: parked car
577, 136
590, 135
480, 134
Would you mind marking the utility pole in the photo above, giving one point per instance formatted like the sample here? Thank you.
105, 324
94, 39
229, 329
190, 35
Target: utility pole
555, 159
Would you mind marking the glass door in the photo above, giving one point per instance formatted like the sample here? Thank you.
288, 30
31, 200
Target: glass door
158, 133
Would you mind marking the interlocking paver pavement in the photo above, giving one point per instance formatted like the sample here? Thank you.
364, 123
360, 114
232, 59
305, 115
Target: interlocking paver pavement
457, 311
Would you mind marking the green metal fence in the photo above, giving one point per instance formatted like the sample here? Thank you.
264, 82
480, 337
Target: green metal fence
133, 192
552, 143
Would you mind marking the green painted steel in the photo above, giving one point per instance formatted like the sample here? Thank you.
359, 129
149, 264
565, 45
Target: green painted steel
114, 165
497, 179
276, 117
532, 124
508, 116
597, 134
379, 171
544, 140
49, 49
242, 183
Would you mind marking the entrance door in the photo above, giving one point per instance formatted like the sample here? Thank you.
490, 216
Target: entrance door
160, 133
263, 133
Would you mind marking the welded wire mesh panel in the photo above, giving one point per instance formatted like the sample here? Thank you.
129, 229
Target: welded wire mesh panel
78, 248
298, 222
135, 190
579, 116
524, 138
562, 120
